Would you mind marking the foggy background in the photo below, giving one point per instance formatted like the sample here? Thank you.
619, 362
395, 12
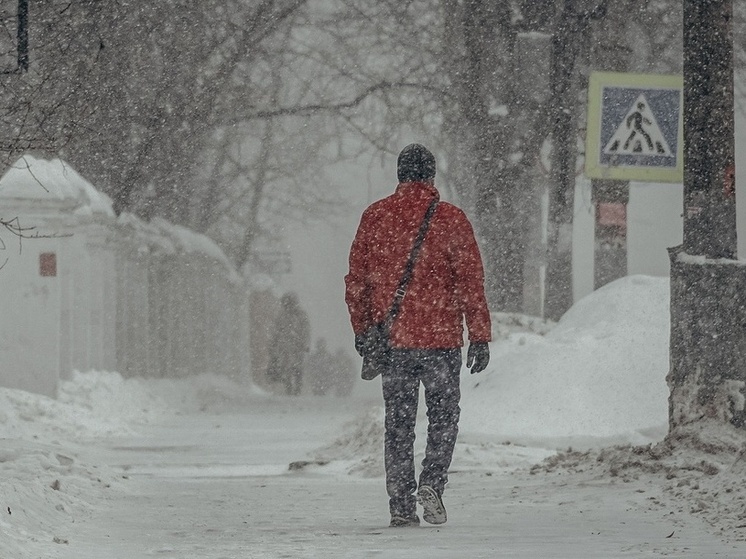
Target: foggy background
268, 125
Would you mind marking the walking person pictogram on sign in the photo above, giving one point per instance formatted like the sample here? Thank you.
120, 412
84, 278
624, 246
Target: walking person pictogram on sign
635, 127
638, 133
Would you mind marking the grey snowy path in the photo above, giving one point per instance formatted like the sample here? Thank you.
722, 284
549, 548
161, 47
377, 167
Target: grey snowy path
218, 486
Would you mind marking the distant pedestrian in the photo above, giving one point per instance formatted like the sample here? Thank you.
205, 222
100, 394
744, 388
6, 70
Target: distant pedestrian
289, 345
320, 369
342, 373
446, 286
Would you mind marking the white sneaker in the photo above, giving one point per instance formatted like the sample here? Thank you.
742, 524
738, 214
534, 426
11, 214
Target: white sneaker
433, 511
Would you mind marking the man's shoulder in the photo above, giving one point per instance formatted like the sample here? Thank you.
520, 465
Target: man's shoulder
449, 206
452, 211
392, 203
382, 206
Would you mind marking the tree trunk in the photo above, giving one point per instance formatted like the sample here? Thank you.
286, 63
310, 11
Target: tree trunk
708, 305
22, 36
476, 32
709, 171
565, 50
497, 203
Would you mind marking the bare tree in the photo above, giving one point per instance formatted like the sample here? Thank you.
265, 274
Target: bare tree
223, 115
191, 111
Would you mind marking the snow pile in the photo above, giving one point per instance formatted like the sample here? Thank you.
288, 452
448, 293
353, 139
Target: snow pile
45, 480
505, 324
699, 470
44, 489
199, 393
597, 377
360, 447
44, 483
99, 403
33, 417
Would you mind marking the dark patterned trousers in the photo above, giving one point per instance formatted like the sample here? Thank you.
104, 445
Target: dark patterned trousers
439, 372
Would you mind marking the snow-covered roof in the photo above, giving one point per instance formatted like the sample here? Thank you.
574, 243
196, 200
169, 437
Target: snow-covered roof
167, 238
31, 179
189, 241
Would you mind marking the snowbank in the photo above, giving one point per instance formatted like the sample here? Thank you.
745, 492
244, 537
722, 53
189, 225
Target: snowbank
597, 377
699, 469
45, 481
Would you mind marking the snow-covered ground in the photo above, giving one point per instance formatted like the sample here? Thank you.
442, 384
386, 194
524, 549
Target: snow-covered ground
207, 467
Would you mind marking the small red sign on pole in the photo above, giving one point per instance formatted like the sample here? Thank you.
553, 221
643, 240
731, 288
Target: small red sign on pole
729, 181
612, 214
48, 264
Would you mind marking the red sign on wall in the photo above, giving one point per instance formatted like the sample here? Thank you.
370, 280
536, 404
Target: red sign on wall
48, 264
612, 214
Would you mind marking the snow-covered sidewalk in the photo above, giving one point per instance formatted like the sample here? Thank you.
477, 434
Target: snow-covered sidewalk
219, 486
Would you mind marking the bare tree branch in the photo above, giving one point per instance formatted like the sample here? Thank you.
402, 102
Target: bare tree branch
315, 108
22, 232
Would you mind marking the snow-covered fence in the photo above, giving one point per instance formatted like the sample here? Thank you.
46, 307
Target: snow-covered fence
182, 308
108, 293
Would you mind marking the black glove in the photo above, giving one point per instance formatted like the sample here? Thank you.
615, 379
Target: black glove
478, 356
361, 343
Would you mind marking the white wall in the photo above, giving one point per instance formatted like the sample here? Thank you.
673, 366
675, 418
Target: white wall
156, 300
30, 325
654, 224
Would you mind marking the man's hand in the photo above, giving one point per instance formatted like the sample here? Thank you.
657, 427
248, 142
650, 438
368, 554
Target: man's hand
478, 356
361, 343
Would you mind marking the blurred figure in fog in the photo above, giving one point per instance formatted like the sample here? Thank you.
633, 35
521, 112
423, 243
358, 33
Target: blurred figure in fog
343, 373
289, 345
319, 368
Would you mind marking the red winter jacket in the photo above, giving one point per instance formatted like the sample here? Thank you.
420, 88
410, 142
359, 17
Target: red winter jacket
448, 280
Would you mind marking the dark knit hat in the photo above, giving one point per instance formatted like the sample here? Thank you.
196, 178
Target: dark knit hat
415, 163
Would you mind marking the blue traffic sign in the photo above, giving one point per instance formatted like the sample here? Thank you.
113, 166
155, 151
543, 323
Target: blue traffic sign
634, 127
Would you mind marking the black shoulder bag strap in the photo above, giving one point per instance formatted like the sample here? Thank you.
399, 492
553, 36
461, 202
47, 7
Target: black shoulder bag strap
401, 290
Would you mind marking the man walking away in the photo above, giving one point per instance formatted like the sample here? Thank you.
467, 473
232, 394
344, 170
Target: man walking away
446, 286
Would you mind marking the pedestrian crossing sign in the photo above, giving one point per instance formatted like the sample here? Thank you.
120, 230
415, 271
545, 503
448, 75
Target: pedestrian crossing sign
635, 127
